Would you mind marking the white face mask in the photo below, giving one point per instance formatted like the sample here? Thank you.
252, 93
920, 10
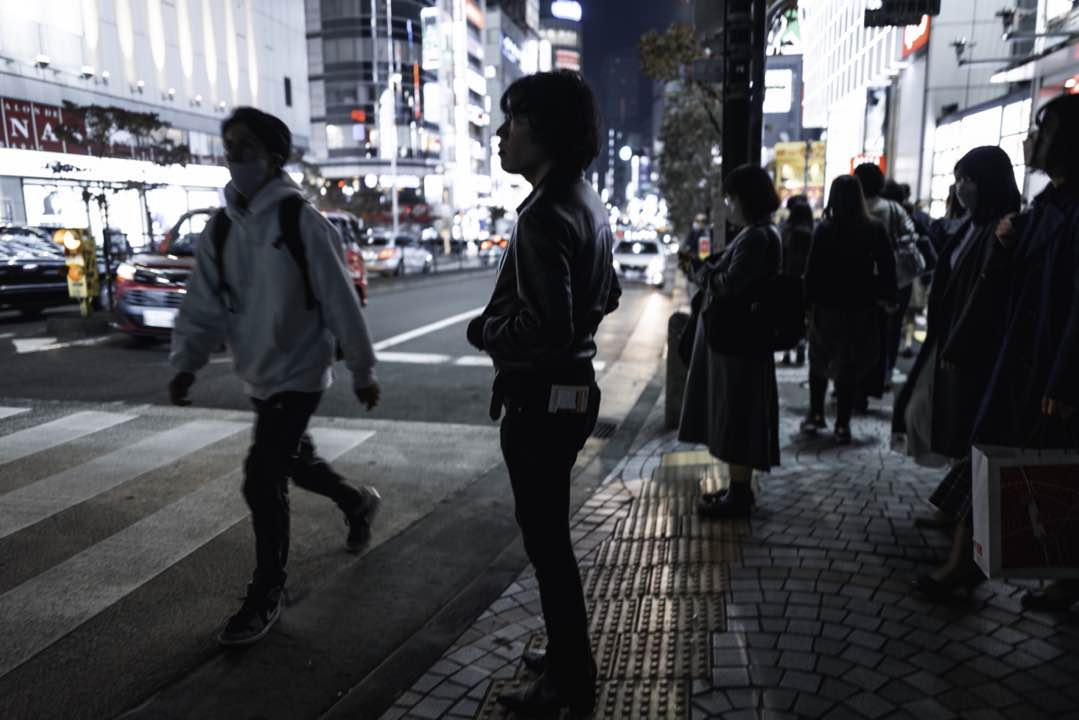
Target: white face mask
249, 177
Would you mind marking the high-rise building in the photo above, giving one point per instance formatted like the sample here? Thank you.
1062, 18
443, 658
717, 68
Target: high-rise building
189, 61
560, 25
409, 102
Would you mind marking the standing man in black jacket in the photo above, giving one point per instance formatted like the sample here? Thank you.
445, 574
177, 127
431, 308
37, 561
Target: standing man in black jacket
554, 286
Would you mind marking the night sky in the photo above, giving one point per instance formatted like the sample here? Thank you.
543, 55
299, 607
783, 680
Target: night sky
611, 26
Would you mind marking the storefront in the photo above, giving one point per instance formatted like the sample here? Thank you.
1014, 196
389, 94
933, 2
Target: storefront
46, 181
1002, 122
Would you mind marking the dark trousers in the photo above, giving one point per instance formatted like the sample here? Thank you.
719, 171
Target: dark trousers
845, 390
283, 450
540, 449
893, 333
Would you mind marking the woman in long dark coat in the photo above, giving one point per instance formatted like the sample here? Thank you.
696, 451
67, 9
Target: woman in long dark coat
1033, 394
731, 401
851, 270
937, 406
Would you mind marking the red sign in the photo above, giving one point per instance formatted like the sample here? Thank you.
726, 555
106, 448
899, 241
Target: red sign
915, 37
879, 160
19, 125
358, 116
46, 118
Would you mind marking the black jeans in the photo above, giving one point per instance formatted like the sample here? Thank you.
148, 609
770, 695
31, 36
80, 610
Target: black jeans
894, 331
540, 450
844, 389
283, 450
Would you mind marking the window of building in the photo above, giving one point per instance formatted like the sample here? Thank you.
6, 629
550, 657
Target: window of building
335, 9
288, 92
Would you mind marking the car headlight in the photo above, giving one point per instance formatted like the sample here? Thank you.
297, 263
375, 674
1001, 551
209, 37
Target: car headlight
125, 271
617, 266
656, 265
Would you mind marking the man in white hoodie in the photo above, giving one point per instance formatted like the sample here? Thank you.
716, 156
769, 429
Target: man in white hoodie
284, 304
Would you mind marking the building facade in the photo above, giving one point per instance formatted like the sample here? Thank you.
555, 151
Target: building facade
189, 61
560, 26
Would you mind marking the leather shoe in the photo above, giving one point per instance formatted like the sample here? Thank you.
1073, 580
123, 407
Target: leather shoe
1057, 597
535, 660
543, 698
735, 502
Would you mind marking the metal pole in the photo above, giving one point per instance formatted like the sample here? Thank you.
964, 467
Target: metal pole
393, 100
374, 42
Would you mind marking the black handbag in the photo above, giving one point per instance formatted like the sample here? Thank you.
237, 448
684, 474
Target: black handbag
768, 318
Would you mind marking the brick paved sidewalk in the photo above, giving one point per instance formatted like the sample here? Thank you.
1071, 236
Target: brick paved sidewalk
802, 612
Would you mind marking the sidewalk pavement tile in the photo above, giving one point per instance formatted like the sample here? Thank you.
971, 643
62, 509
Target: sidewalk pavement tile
816, 618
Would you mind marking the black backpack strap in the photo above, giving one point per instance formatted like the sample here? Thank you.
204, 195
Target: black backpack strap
289, 218
222, 225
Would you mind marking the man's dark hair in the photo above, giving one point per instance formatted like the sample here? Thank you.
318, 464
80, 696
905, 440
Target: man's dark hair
871, 177
1057, 119
753, 187
273, 133
800, 214
561, 112
892, 191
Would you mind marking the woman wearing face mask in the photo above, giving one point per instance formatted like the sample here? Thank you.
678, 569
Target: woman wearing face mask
851, 269
731, 401
1033, 392
938, 404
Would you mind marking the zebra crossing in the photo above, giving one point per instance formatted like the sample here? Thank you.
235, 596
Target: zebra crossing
46, 607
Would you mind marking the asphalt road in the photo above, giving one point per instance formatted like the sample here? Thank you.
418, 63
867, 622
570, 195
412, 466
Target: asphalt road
123, 535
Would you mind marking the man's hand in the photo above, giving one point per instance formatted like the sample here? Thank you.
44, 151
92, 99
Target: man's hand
178, 387
1056, 408
1006, 231
475, 332
369, 396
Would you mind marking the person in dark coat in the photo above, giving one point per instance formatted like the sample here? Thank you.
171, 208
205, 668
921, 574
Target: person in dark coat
851, 269
1033, 393
797, 237
936, 408
731, 401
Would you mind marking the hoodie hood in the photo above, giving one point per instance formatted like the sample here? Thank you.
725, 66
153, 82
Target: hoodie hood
240, 209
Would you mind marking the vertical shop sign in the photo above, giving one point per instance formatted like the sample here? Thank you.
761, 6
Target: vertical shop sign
46, 118
19, 124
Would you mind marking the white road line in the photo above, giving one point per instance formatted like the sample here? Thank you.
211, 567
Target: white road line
6, 412
32, 345
57, 432
473, 361
412, 358
427, 329
47, 607
37, 501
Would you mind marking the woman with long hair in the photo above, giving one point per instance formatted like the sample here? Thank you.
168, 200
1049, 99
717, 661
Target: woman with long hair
850, 271
731, 400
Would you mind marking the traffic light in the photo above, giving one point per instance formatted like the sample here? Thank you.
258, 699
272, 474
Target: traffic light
80, 254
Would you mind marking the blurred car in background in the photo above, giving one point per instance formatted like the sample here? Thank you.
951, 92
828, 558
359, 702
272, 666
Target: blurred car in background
641, 261
492, 249
350, 229
396, 255
33, 273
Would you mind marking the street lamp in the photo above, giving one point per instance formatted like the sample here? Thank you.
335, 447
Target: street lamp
625, 153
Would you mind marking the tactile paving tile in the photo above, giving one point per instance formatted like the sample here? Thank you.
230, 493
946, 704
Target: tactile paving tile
637, 553
701, 613
687, 580
616, 581
644, 527
686, 480
615, 700
611, 616
665, 655
715, 551
604, 651
693, 526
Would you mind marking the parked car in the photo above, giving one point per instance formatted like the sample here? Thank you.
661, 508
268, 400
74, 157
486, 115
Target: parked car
351, 232
641, 260
491, 249
396, 255
33, 273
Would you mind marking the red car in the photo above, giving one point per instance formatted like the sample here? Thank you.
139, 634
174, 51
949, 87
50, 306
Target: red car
150, 287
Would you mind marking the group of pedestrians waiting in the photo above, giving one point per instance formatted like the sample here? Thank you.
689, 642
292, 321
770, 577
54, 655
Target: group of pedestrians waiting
1000, 360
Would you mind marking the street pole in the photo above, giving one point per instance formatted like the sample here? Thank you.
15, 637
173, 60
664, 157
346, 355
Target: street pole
393, 100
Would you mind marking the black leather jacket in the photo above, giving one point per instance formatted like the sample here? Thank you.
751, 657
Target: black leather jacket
555, 283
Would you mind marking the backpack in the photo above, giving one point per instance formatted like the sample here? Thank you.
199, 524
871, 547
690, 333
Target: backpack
768, 317
288, 214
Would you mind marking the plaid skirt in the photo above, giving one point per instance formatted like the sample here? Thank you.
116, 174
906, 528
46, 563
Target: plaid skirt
953, 495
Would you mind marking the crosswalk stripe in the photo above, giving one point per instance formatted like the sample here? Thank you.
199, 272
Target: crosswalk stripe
56, 432
6, 412
37, 501
45, 608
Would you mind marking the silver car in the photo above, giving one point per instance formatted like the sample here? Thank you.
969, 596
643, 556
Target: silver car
641, 261
396, 255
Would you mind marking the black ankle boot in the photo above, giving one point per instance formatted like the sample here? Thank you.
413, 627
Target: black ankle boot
735, 502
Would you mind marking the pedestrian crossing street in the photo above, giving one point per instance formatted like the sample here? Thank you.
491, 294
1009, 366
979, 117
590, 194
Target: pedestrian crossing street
132, 449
